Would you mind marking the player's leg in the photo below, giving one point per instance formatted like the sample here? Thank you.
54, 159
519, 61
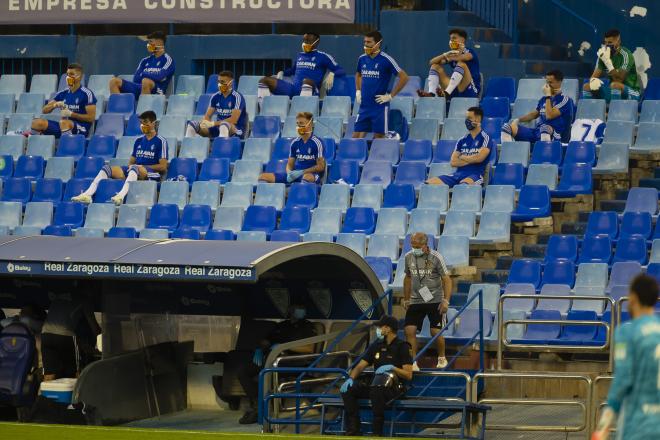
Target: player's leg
310, 178
115, 85
127, 87
438, 321
67, 126
460, 78
379, 122
267, 177
509, 131
133, 175
352, 407
586, 91
362, 125
543, 132
266, 85
148, 86
449, 179
473, 180
308, 88
616, 90
106, 172
38, 126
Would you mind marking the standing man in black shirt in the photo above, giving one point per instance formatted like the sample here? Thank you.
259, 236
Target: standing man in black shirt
388, 355
293, 328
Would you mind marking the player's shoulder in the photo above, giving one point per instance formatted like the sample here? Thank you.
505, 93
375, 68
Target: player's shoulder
88, 92
363, 57
237, 96
61, 93
325, 54
296, 140
625, 50
387, 56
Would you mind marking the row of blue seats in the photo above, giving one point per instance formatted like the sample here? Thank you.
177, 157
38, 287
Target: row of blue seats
609, 223
630, 246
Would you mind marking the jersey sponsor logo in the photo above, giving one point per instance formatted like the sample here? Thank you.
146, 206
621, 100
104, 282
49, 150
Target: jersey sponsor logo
367, 73
306, 64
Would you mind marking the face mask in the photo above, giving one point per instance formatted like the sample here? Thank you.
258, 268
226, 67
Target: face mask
418, 252
454, 45
308, 47
612, 48
379, 333
145, 129
303, 130
70, 81
373, 49
224, 88
299, 314
151, 48
469, 124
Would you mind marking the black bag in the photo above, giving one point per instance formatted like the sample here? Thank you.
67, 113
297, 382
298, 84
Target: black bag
49, 411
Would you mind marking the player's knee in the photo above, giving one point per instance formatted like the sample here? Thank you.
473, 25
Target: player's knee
468, 181
116, 173
308, 81
410, 330
507, 128
147, 83
267, 177
462, 64
65, 124
586, 87
39, 124
617, 85
115, 82
309, 177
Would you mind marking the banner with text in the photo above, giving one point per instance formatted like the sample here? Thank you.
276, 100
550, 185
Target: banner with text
176, 11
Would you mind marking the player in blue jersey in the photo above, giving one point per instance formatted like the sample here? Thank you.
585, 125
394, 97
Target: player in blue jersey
306, 161
465, 78
229, 105
147, 162
308, 72
470, 155
375, 70
634, 395
77, 105
554, 110
153, 74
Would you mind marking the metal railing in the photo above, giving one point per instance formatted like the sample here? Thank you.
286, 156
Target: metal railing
596, 403
367, 12
502, 14
504, 342
596, 40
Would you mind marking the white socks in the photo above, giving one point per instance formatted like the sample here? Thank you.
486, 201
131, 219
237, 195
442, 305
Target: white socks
545, 137
104, 173
132, 177
506, 137
455, 80
306, 90
433, 81
224, 130
262, 92
191, 130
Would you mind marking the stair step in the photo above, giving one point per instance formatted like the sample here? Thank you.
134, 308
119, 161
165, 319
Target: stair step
656, 172
463, 286
504, 263
534, 52
458, 299
487, 34
621, 194
584, 217
465, 18
613, 205
650, 183
574, 228
495, 276
543, 239
534, 250
569, 68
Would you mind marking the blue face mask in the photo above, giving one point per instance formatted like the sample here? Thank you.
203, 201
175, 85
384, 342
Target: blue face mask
299, 314
379, 333
469, 124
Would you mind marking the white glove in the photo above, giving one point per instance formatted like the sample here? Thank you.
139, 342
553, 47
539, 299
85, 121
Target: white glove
329, 80
547, 91
383, 99
595, 84
358, 96
603, 429
65, 113
59, 104
604, 54
280, 75
206, 124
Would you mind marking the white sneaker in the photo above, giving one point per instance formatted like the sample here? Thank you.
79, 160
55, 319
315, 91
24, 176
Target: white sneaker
82, 198
415, 366
18, 133
117, 199
442, 362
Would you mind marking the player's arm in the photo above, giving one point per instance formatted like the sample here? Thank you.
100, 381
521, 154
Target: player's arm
209, 113
479, 157
131, 160
550, 111
160, 167
291, 163
50, 106
405, 373
232, 119
529, 116
403, 80
318, 168
160, 73
457, 160
90, 116
465, 56
359, 368
407, 289
358, 81
139, 72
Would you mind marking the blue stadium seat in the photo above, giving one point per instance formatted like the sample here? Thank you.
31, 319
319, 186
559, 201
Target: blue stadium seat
71, 145
110, 125
468, 326
621, 275
399, 195
7, 102
155, 103
125, 147
58, 230
281, 148
417, 150
337, 106
122, 232
431, 108
270, 194
99, 85
382, 267
220, 235
493, 126
44, 84
326, 220
304, 104
329, 149
329, 127
434, 197
190, 85
48, 190
591, 109
580, 152
519, 304
276, 166
334, 196
623, 110
16, 189
455, 250
547, 152
302, 194
346, 171
591, 274
282, 235
558, 304
579, 334
603, 223
266, 126
384, 246
559, 272
102, 146
106, 190
132, 216
247, 84
100, 216
525, 271
584, 304
69, 214
494, 227
424, 220
290, 127
542, 333
352, 149
496, 107
655, 251
60, 168
458, 107
514, 152
424, 129
203, 104
501, 86
176, 192
296, 218
343, 86
258, 149
30, 103
642, 200
202, 193
181, 105
197, 148
562, 247
43, 146
154, 234
11, 214
30, 167
575, 179
612, 158
377, 172
653, 270
229, 219
186, 167
499, 198
356, 242
533, 202
359, 219
74, 186
246, 171
275, 105
443, 151
512, 174
251, 236
631, 248
392, 221
216, 169
37, 216
121, 103
172, 127
260, 218
413, 173
196, 217
650, 111
466, 198
490, 295
164, 217
367, 196
636, 223
19, 122
384, 150
237, 195
453, 129
229, 148
620, 132
460, 223
88, 167
596, 249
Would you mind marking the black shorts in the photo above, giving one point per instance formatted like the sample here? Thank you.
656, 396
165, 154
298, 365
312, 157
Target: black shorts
58, 355
417, 312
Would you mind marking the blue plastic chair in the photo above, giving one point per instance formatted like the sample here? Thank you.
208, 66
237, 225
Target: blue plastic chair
187, 234
121, 103
196, 217
542, 333
514, 152
509, 174
337, 106
579, 334
48, 190
501, 86
603, 223
219, 234
575, 179
591, 109
496, 107
580, 152
352, 149
6, 166
377, 172
458, 107
424, 220
58, 230
384, 246
392, 221
559, 272
418, 150
266, 126
30, 167
296, 218
631, 248
466, 198
621, 132
186, 167
122, 232
237, 195
270, 194
343, 86
398, 195
499, 198
642, 200
525, 271
636, 223
69, 214
302, 194
229, 219
203, 103
88, 167
358, 219
16, 189
347, 171
443, 151
110, 125
282, 148
413, 173
181, 105
623, 110
356, 242
424, 129
229, 148
75, 186
431, 108
561, 247
559, 304
547, 152
102, 146
334, 196
71, 145
533, 202
460, 223
292, 236
260, 218
164, 217
275, 105
596, 249
650, 111
216, 169
308, 104
453, 129
382, 267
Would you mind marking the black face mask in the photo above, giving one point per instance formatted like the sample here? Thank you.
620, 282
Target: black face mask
612, 47
469, 124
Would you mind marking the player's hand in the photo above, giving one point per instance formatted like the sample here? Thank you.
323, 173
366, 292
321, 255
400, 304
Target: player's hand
346, 385
384, 369
603, 429
595, 84
65, 113
206, 124
547, 90
405, 304
280, 75
383, 99
605, 55
358, 96
59, 104
329, 80
444, 305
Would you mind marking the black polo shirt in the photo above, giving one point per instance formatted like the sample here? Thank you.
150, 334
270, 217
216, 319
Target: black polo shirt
396, 353
287, 331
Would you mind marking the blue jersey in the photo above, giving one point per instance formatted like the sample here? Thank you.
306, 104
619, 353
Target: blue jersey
473, 66
158, 69
377, 72
77, 102
149, 151
224, 106
635, 391
313, 66
306, 153
469, 146
565, 106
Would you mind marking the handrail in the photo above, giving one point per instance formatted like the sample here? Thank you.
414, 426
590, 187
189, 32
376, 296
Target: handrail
501, 343
597, 405
579, 18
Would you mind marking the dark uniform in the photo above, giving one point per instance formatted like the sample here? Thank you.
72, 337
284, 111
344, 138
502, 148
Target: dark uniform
397, 353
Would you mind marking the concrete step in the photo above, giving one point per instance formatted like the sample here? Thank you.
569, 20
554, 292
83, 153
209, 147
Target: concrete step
584, 217
656, 172
569, 68
650, 183
487, 34
464, 19
534, 52
534, 250
613, 205
579, 228
504, 263
495, 276
621, 194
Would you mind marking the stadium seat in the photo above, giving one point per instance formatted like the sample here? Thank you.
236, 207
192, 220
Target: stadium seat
237, 195
182, 169
102, 146
106, 190
270, 194
260, 218
203, 105
132, 216
453, 129
274, 105
276, 166
580, 152
190, 85
443, 151
202, 193
164, 217
630, 248
561, 247
512, 174
281, 149
7, 102
88, 167
337, 106
229, 148
196, 217
352, 149
155, 103
58, 230
468, 326
154, 234
519, 304
30, 103
490, 295
642, 200
197, 148
302, 194
525, 271
501, 86
522, 106
38, 215
558, 304
493, 126
110, 125
376, 173
417, 150
496, 107
647, 138
636, 223
530, 88
458, 107
43, 146
367, 196
43, 84
121, 103
176, 193
343, 86
591, 109
459, 223
142, 192
466, 198
382, 267
559, 271
304, 104
655, 251
542, 333
575, 179
326, 220
48, 190
515, 152
229, 219
122, 232
69, 214
181, 105
11, 214
621, 275
591, 274
494, 227
431, 108
603, 223
653, 270
12, 146
100, 216
292, 236
359, 219
440, 169
650, 111
356, 242
399, 195
499, 198
404, 104
19, 122
290, 127
251, 236
71, 145
392, 221
612, 158
455, 250
596, 249
547, 152
99, 85
584, 304
434, 197
216, 169
384, 246
533, 202
6, 167
172, 127
424, 220
334, 196
329, 127
620, 132
413, 173
424, 129
296, 218
219, 235
16, 189
246, 171
266, 126
29, 167
125, 147
73, 186
247, 84
578, 334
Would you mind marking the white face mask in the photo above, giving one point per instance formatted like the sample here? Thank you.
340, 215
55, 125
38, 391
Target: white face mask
418, 252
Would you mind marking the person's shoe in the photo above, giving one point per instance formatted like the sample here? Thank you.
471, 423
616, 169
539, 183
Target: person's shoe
25, 133
415, 366
442, 362
424, 94
82, 198
248, 418
117, 199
